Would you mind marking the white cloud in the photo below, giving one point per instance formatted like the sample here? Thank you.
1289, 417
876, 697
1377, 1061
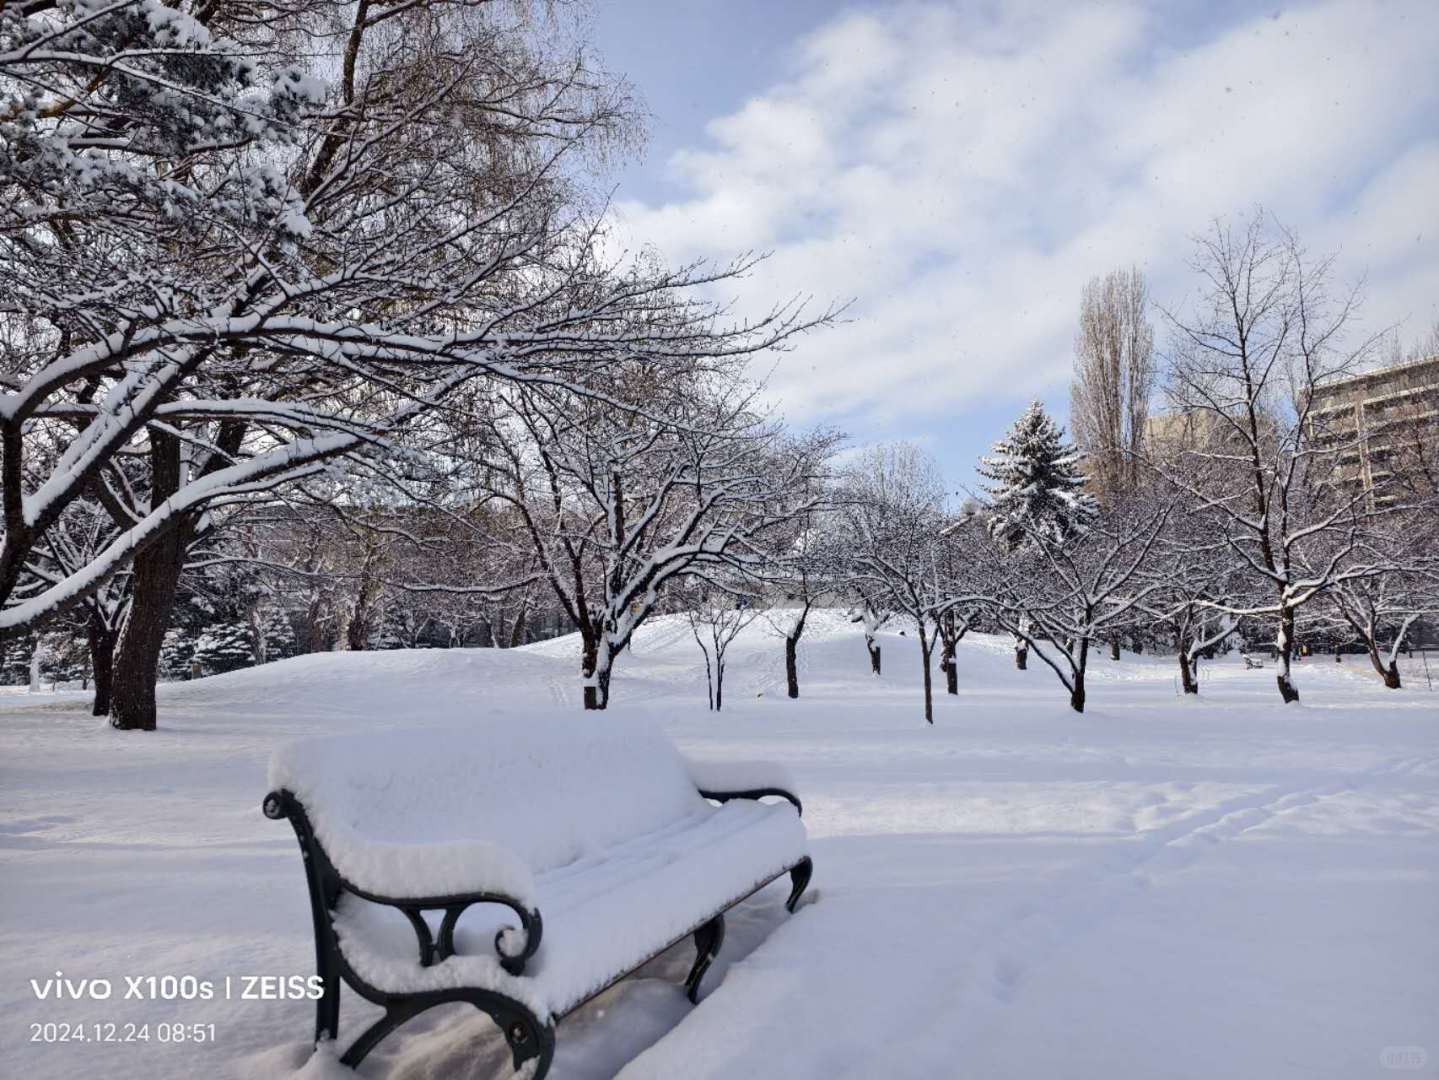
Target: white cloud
962, 172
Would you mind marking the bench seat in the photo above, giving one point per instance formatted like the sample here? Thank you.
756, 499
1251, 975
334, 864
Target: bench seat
601, 912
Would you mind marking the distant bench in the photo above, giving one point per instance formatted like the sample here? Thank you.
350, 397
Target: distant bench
625, 847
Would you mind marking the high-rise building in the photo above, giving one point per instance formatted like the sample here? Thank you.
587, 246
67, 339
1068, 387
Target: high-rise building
1383, 426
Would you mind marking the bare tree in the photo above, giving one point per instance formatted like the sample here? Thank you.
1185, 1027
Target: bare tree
873, 613
802, 570
1060, 594
1113, 380
1382, 607
618, 501
1197, 574
716, 618
283, 259
893, 508
1266, 335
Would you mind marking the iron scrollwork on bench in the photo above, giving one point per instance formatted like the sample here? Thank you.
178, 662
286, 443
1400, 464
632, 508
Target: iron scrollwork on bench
527, 1037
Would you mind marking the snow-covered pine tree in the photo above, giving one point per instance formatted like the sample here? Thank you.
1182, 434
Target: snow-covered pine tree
15, 664
392, 630
1034, 476
224, 647
177, 652
1035, 483
278, 636
67, 659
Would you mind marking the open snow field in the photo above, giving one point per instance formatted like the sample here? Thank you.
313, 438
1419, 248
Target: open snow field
1225, 887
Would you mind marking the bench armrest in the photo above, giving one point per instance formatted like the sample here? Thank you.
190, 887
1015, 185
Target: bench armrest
725, 780
415, 878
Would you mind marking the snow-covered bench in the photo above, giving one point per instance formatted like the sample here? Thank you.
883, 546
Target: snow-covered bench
424, 849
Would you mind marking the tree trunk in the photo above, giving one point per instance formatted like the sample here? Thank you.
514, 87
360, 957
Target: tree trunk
1188, 675
603, 678
791, 667
517, 631
873, 647
102, 662
357, 629
589, 662
924, 651
1021, 655
1076, 694
719, 683
1285, 645
1114, 648
1390, 672
949, 667
1391, 676
596, 665
154, 575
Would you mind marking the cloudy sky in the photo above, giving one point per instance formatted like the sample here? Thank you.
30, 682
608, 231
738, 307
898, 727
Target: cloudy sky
961, 169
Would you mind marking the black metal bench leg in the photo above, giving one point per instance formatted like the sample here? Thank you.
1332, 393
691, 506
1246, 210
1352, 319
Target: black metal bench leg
708, 939
395, 1015
526, 1037
799, 878
327, 1009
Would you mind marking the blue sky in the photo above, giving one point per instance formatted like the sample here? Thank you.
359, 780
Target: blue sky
959, 170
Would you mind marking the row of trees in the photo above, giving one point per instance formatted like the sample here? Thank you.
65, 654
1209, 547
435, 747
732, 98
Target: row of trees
318, 250
309, 300
1234, 512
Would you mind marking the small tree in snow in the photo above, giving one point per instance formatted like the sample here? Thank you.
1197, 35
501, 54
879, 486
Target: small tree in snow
893, 510
1383, 607
715, 620
1059, 595
872, 613
959, 539
1196, 578
803, 569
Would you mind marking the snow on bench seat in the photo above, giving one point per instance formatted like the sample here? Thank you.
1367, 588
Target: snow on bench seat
597, 823
603, 913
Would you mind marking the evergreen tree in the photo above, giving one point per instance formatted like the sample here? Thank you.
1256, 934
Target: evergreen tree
278, 635
224, 647
66, 657
15, 667
177, 652
392, 629
1034, 475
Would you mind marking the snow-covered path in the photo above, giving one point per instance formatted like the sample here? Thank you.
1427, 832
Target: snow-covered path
1163, 887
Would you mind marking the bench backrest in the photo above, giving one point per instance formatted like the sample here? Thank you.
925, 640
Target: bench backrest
549, 791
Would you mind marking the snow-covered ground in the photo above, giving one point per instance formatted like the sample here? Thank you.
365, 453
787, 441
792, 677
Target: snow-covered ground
1162, 887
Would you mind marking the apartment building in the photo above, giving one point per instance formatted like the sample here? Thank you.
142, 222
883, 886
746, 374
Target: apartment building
1383, 425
